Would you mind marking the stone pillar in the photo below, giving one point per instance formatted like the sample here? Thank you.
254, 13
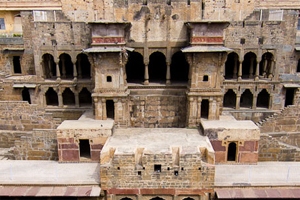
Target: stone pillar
218, 108
74, 71
98, 116
238, 98
251, 67
272, 64
240, 71
146, 82
76, 99
57, 71
265, 63
235, 67
254, 101
104, 114
191, 112
257, 71
199, 109
211, 109
116, 109
168, 82
60, 98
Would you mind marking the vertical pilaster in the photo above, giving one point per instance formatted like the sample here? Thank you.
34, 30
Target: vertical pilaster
104, 113
74, 71
60, 98
240, 71
254, 101
211, 108
168, 82
238, 98
199, 109
146, 82
257, 71
57, 71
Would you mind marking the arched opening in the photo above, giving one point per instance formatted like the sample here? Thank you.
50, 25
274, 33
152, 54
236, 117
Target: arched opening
249, 65
66, 66
298, 67
231, 153
231, 66
179, 68
204, 108
68, 97
229, 99
26, 95
188, 198
51, 97
85, 98
17, 64
126, 198
263, 99
246, 99
49, 66
157, 198
265, 65
110, 109
135, 68
157, 67
83, 66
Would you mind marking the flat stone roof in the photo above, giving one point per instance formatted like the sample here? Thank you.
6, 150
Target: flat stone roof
86, 124
157, 140
229, 124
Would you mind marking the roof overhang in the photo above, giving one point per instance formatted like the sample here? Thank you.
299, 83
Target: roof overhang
107, 49
23, 85
251, 193
50, 191
15, 6
200, 49
297, 48
291, 85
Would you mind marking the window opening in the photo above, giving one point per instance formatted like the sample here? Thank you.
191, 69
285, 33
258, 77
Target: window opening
204, 108
66, 66
231, 154
68, 97
263, 99
157, 168
26, 95
17, 65
110, 109
246, 99
179, 68
289, 96
205, 78
249, 65
229, 99
176, 173
84, 148
2, 24
135, 68
51, 97
108, 78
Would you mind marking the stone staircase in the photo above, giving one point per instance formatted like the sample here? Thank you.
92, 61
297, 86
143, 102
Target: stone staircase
7, 154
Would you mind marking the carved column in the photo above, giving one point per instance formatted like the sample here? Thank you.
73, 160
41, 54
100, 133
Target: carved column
199, 109
57, 71
238, 98
104, 114
168, 82
254, 101
211, 109
257, 71
146, 82
74, 71
265, 63
60, 98
272, 64
240, 71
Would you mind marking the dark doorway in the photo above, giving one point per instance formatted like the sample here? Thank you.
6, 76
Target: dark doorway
231, 154
179, 68
84, 148
229, 99
204, 108
246, 99
51, 97
49, 66
68, 97
249, 65
85, 98
26, 95
231, 66
298, 67
157, 67
135, 68
289, 96
83, 66
263, 99
17, 65
66, 66
110, 109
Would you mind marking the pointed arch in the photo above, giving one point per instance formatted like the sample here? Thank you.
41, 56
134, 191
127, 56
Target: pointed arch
231, 65
135, 68
265, 65
246, 99
179, 67
51, 97
66, 66
68, 97
157, 67
49, 66
263, 99
85, 97
83, 66
229, 99
249, 65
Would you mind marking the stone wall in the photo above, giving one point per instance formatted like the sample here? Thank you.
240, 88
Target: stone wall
272, 149
37, 145
157, 110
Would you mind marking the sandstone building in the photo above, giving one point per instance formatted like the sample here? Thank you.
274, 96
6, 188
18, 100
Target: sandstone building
158, 92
